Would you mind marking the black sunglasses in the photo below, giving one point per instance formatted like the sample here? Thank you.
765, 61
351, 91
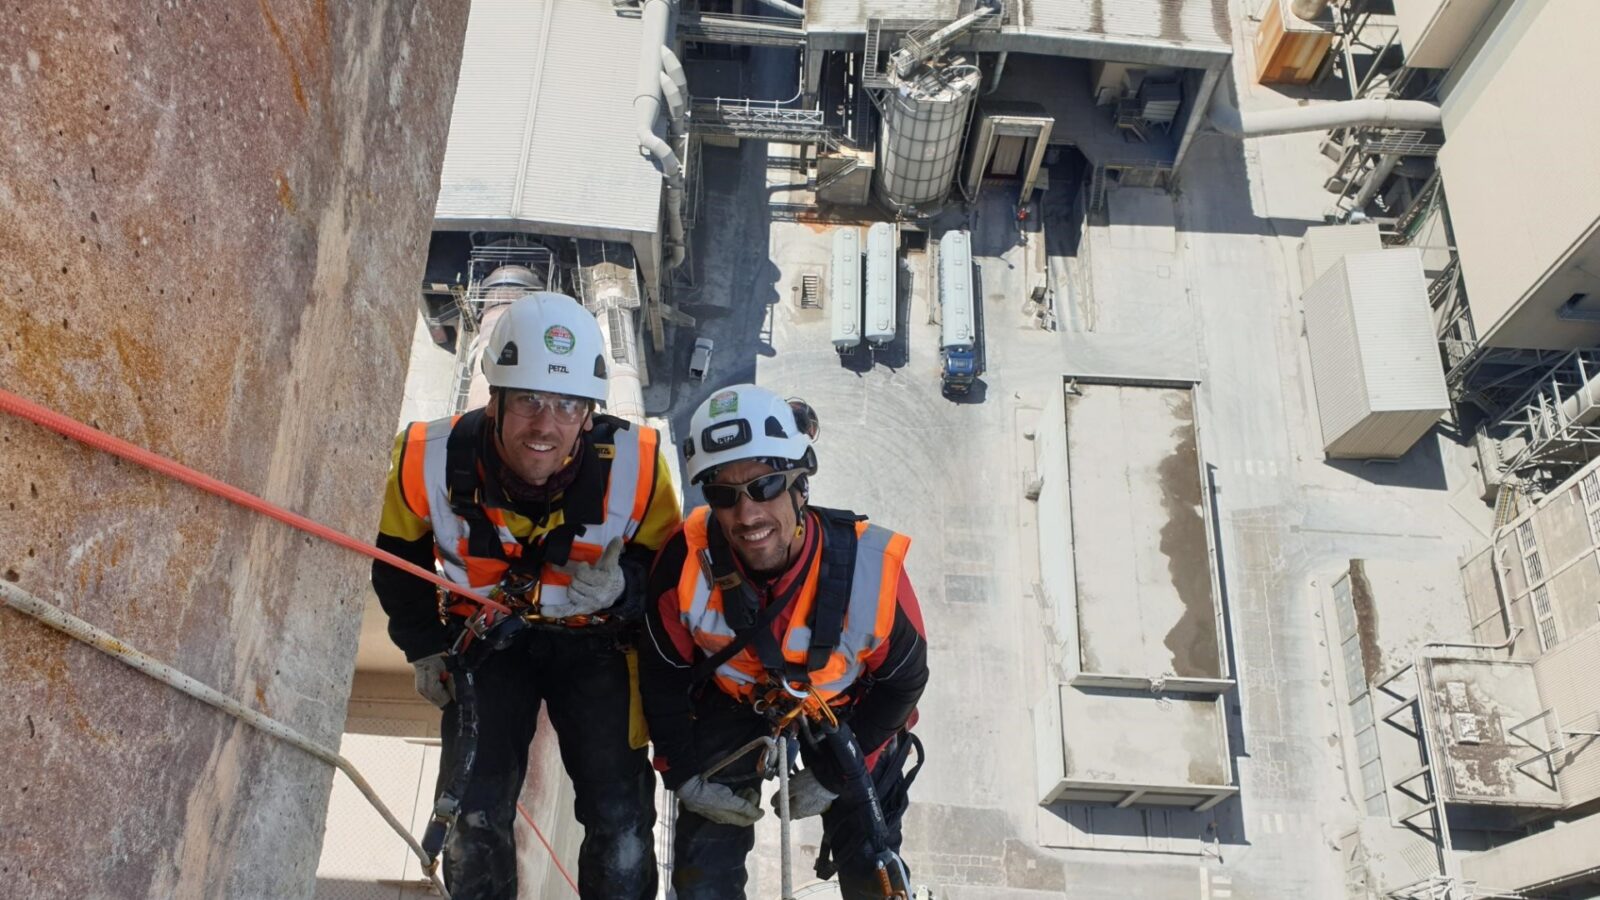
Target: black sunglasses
767, 487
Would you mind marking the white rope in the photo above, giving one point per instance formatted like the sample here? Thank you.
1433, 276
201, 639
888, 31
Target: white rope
72, 626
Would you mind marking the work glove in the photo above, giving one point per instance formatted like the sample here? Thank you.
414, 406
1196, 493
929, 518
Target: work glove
431, 680
719, 803
595, 586
807, 796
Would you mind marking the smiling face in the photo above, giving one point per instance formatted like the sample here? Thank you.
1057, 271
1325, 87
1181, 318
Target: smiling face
762, 534
536, 439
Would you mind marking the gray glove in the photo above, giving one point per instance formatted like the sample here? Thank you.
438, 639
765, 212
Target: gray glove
432, 680
807, 796
595, 586
719, 803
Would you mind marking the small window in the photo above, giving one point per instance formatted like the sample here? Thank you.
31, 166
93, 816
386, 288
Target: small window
1544, 614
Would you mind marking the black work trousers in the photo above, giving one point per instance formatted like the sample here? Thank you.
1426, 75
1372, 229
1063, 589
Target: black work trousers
585, 683
709, 858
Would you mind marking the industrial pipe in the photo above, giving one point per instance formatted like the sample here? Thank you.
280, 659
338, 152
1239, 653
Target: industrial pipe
1308, 9
906, 58
1374, 182
677, 103
674, 70
994, 74
785, 8
655, 16
1225, 118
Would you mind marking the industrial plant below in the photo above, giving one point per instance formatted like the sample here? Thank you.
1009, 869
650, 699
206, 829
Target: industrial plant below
1232, 367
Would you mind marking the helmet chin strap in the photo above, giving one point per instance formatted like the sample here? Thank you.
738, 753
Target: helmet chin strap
799, 513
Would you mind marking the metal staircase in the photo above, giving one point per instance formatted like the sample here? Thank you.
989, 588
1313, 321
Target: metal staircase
873, 77
1097, 188
851, 165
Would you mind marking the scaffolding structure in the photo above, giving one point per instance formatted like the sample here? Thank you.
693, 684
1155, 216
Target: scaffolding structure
478, 298
1553, 429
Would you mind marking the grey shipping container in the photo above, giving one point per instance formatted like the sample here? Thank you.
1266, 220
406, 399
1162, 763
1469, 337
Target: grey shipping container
1374, 358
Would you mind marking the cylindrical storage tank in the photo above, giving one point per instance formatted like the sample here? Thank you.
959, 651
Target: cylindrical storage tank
955, 290
882, 263
845, 285
919, 145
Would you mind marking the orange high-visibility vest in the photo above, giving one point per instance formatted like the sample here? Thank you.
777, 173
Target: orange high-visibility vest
424, 488
874, 590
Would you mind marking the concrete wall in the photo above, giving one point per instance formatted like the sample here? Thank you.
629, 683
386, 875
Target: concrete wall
212, 222
1526, 225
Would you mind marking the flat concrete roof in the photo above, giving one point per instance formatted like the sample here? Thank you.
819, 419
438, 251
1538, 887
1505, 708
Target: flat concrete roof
1146, 590
1170, 749
1478, 732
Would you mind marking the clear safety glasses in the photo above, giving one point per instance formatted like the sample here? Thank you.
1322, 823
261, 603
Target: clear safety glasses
529, 404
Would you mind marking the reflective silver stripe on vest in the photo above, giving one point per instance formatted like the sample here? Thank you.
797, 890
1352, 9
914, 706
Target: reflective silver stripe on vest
859, 637
449, 529
625, 472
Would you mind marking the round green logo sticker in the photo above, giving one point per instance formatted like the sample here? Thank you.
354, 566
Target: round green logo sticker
724, 403
558, 339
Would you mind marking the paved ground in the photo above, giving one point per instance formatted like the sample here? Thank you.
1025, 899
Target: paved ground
1201, 283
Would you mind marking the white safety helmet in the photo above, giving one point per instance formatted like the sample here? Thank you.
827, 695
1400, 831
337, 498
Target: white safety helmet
547, 342
747, 422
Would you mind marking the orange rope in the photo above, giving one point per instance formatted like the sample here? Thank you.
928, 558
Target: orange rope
93, 437
551, 850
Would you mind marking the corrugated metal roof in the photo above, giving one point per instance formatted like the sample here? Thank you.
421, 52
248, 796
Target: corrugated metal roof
546, 91
1200, 23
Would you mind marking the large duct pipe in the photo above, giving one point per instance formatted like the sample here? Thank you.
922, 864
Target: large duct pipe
655, 16
1308, 9
677, 104
1344, 114
994, 75
1374, 182
674, 70
788, 9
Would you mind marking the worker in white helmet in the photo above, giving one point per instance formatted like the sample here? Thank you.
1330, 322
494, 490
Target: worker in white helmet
770, 615
557, 510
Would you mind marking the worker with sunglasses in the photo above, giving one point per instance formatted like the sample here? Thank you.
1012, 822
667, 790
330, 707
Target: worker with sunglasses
769, 617
556, 510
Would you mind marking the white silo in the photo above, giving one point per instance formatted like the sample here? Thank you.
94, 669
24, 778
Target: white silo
919, 146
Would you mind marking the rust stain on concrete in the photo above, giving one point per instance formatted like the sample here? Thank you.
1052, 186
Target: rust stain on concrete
1193, 640
152, 285
288, 57
285, 193
1366, 621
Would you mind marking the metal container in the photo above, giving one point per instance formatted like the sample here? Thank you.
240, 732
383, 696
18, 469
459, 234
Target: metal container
882, 264
920, 142
845, 284
1374, 358
955, 291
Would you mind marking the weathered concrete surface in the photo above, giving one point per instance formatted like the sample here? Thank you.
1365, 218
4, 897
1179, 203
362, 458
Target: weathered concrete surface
212, 221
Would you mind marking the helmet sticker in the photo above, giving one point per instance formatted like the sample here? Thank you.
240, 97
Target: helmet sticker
559, 339
725, 403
